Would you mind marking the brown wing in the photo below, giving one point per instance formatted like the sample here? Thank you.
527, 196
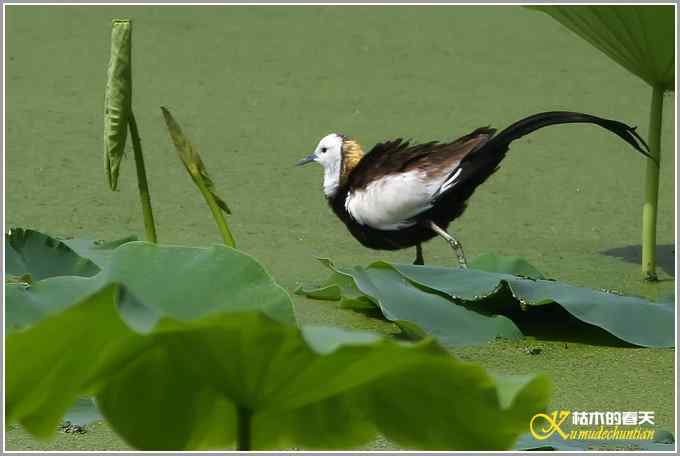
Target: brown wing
398, 156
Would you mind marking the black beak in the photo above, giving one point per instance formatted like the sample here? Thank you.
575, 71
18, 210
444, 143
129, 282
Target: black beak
309, 158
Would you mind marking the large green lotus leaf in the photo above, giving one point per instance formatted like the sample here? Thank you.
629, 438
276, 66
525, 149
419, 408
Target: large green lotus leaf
458, 306
640, 38
189, 282
178, 386
41, 256
182, 282
412, 309
399, 300
118, 98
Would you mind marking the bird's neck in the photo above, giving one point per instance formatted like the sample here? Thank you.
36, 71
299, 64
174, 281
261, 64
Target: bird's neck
331, 179
337, 174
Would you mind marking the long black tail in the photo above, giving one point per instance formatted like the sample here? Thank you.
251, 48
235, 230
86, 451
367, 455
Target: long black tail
544, 119
483, 161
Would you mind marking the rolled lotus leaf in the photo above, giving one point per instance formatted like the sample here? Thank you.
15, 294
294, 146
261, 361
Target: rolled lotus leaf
118, 98
639, 38
191, 159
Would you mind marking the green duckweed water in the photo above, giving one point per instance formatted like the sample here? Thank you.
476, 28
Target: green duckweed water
256, 87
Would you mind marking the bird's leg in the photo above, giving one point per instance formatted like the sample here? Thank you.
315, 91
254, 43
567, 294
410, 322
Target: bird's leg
455, 245
419, 255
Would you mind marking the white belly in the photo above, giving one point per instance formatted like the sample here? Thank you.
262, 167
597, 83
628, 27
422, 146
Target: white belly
391, 202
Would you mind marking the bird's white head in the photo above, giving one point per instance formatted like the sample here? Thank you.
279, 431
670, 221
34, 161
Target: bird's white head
329, 155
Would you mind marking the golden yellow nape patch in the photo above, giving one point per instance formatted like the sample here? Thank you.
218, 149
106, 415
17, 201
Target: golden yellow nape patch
351, 154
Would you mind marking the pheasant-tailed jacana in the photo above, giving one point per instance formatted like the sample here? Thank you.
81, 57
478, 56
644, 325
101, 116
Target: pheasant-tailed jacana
400, 195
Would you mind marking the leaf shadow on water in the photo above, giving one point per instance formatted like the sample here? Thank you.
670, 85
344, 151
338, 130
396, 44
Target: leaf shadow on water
665, 255
549, 322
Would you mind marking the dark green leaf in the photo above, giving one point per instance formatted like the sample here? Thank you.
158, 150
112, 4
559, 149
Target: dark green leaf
42, 256
463, 307
409, 307
400, 300
628, 318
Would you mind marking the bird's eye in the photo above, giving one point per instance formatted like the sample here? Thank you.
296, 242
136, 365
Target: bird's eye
324, 149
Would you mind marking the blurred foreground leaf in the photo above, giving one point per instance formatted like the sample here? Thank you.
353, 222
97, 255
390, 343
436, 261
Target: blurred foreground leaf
178, 387
179, 344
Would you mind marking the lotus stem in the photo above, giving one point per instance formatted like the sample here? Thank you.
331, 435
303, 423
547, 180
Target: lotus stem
244, 420
144, 195
649, 210
217, 213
